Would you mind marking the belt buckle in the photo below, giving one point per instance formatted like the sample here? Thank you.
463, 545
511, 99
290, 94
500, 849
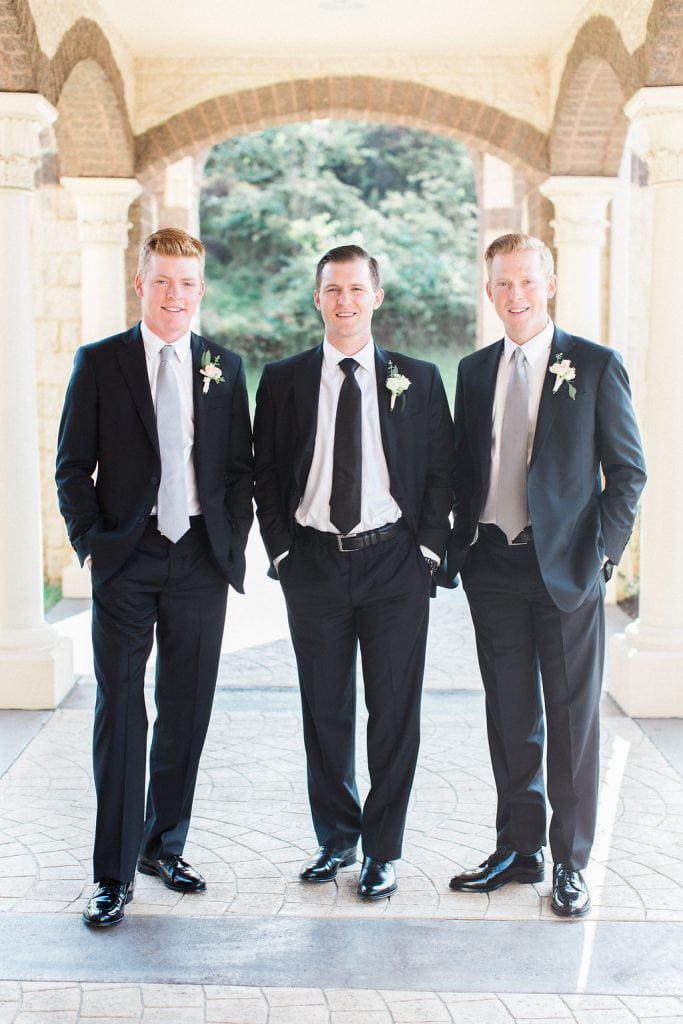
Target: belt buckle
340, 544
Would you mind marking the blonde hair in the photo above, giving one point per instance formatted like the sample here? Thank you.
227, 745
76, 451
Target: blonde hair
520, 243
170, 242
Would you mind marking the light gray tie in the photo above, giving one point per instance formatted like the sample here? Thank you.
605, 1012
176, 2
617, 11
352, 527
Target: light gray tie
172, 518
512, 513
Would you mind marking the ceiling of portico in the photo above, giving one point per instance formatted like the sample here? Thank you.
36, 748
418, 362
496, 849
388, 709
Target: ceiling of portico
181, 28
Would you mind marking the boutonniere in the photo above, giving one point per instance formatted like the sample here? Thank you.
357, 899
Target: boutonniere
396, 383
564, 373
210, 370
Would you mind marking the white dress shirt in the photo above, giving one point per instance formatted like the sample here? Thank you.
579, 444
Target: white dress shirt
537, 354
377, 507
182, 367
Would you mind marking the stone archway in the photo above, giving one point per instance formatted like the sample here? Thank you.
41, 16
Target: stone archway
405, 103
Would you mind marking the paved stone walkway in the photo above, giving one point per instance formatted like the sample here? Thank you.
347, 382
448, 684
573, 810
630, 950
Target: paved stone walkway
261, 948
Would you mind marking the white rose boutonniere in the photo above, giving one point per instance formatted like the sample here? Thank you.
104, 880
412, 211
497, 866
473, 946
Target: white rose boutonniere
396, 383
210, 371
564, 373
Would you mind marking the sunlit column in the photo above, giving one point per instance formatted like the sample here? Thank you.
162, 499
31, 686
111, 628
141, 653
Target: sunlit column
35, 663
579, 235
646, 662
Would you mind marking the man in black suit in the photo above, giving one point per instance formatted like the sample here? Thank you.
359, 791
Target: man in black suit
154, 474
549, 468
354, 453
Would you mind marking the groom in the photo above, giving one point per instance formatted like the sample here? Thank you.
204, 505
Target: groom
549, 468
354, 451
154, 475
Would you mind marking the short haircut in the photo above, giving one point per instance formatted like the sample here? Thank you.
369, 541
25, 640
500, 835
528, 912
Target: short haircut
347, 254
170, 242
520, 243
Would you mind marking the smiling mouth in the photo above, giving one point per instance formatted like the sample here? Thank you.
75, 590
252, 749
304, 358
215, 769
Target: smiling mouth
173, 309
522, 309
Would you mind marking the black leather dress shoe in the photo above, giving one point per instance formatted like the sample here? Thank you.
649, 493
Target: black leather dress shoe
324, 865
106, 905
501, 867
377, 879
570, 892
174, 872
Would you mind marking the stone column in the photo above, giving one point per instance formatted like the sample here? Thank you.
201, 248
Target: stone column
579, 226
102, 208
35, 663
646, 662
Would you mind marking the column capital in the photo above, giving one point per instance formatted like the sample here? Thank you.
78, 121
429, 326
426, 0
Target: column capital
23, 115
102, 206
580, 202
657, 115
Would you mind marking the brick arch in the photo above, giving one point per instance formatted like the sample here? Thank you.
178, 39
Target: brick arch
93, 139
16, 64
374, 99
590, 126
662, 52
82, 81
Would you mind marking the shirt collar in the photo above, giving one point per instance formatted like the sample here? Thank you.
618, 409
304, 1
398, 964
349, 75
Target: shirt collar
154, 344
365, 358
535, 347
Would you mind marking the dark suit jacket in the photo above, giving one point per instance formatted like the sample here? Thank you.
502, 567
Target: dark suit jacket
416, 436
576, 518
108, 424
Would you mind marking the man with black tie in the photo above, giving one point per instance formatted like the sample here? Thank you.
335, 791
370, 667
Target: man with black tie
161, 416
354, 454
549, 468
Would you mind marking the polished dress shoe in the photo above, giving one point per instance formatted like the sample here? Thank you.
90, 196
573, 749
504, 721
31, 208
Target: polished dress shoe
501, 867
377, 879
106, 905
570, 892
174, 872
324, 865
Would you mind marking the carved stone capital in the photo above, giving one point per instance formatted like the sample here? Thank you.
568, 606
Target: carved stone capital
22, 117
102, 206
657, 116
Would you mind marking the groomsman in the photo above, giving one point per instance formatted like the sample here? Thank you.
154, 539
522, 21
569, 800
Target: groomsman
354, 455
154, 474
549, 468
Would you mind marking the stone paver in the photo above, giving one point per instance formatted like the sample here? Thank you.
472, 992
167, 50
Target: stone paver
251, 830
181, 1004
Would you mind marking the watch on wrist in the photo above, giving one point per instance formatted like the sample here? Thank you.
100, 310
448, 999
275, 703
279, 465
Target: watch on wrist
432, 564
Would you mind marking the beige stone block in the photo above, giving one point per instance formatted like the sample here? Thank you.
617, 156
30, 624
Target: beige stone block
63, 303
119, 1001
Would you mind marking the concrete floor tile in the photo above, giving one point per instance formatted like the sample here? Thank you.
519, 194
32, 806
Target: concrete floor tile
236, 1011
537, 1007
116, 1001
654, 1007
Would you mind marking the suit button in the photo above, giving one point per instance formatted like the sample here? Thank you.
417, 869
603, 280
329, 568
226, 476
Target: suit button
154, 479
140, 519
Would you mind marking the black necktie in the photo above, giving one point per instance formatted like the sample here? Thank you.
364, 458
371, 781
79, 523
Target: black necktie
347, 466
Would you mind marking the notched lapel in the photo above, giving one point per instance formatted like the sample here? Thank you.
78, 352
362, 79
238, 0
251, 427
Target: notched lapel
306, 389
131, 356
550, 403
484, 393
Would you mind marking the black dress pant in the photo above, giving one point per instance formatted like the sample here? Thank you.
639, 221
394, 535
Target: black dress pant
177, 588
540, 667
377, 598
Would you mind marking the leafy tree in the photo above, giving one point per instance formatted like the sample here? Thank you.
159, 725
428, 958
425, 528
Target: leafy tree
274, 201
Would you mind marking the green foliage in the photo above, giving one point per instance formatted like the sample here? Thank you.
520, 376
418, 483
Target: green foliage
52, 595
274, 201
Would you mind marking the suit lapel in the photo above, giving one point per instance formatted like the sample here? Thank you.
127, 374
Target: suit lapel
484, 394
197, 348
131, 356
550, 403
387, 423
306, 394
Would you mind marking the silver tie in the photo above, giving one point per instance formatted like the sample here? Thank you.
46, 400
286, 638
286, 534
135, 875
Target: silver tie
512, 513
172, 518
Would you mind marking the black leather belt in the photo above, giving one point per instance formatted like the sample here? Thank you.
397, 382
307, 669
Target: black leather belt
355, 541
